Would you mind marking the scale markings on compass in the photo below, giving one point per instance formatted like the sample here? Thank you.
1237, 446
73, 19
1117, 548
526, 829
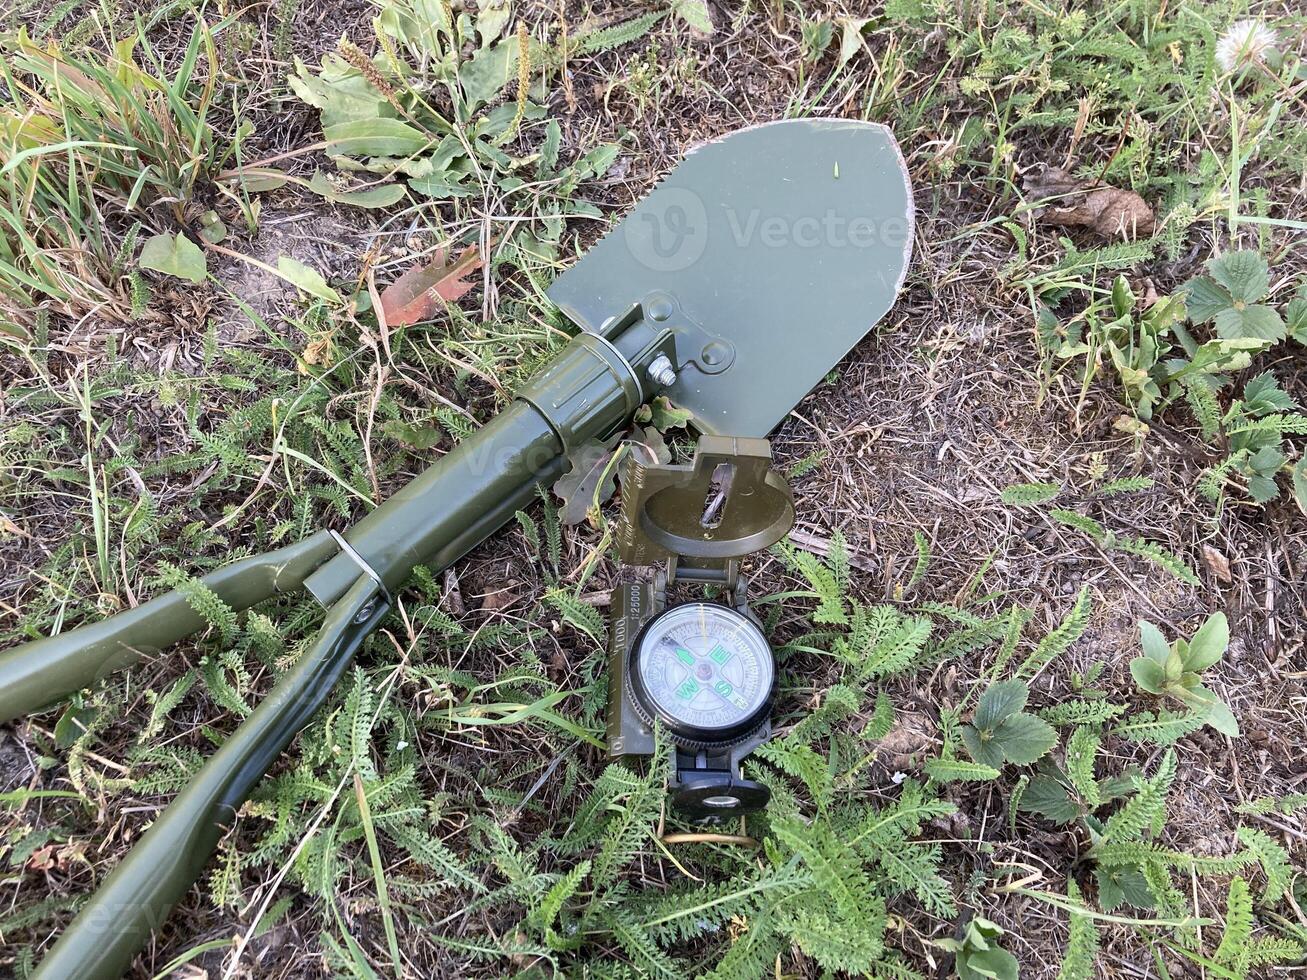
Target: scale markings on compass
705, 665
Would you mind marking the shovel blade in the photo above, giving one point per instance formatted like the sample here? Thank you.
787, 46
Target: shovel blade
770, 252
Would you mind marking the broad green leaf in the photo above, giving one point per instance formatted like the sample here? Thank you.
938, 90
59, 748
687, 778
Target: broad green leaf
1208, 645
663, 415
1263, 395
341, 93
1153, 642
1048, 797
694, 13
381, 196
983, 750
1123, 298
548, 161
1148, 674
817, 36
1260, 322
258, 179
1244, 274
492, 18
489, 70
374, 138
1001, 701
996, 964
1204, 299
174, 255
307, 279
1262, 489
1295, 315
1117, 885
1218, 355
1300, 483
212, 229
590, 481
1215, 712
1024, 738
1267, 461
439, 188
597, 162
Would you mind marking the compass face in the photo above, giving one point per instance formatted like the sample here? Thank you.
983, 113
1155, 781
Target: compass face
705, 670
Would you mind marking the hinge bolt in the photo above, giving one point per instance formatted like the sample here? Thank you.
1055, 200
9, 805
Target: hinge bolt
661, 371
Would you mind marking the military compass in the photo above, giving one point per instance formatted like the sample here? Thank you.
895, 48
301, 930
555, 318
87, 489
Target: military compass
702, 669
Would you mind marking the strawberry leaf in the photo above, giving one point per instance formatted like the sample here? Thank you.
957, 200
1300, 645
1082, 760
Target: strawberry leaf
1258, 322
1204, 299
1024, 738
981, 748
1244, 274
1001, 701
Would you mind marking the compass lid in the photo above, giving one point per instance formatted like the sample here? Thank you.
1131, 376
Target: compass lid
726, 504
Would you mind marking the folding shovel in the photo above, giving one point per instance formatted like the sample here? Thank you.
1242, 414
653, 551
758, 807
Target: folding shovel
733, 288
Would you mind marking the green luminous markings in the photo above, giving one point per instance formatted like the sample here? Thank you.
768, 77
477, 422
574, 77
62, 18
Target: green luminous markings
688, 689
718, 655
685, 656
723, 688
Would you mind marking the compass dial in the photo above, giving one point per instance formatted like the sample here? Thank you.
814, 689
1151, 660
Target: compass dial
705, 670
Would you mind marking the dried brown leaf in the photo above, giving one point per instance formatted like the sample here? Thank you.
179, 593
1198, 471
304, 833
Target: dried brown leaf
1217, 564
424, 289
1108, 211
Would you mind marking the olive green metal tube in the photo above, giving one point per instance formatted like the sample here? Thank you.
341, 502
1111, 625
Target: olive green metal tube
137, 896
589, 391
454, 493
35, 674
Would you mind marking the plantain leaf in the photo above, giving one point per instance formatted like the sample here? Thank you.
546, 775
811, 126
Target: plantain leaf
374, 138
307, 279
1148, 674
174, 255
1208, 645
381, 196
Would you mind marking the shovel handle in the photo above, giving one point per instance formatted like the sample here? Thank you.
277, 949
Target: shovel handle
117, 921
38, 673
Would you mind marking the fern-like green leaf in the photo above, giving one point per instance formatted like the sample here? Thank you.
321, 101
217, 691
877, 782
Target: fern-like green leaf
959, 771
1274, 860
1158, 555
1233, 948
1029, 494
1081, 751
1056, 643
1080, 712
1082, 942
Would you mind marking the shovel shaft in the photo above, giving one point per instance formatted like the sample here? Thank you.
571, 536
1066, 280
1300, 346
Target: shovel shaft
38, 673
588, 392
137, 896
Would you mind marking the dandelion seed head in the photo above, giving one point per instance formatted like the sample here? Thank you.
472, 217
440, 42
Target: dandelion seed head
1245, 43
